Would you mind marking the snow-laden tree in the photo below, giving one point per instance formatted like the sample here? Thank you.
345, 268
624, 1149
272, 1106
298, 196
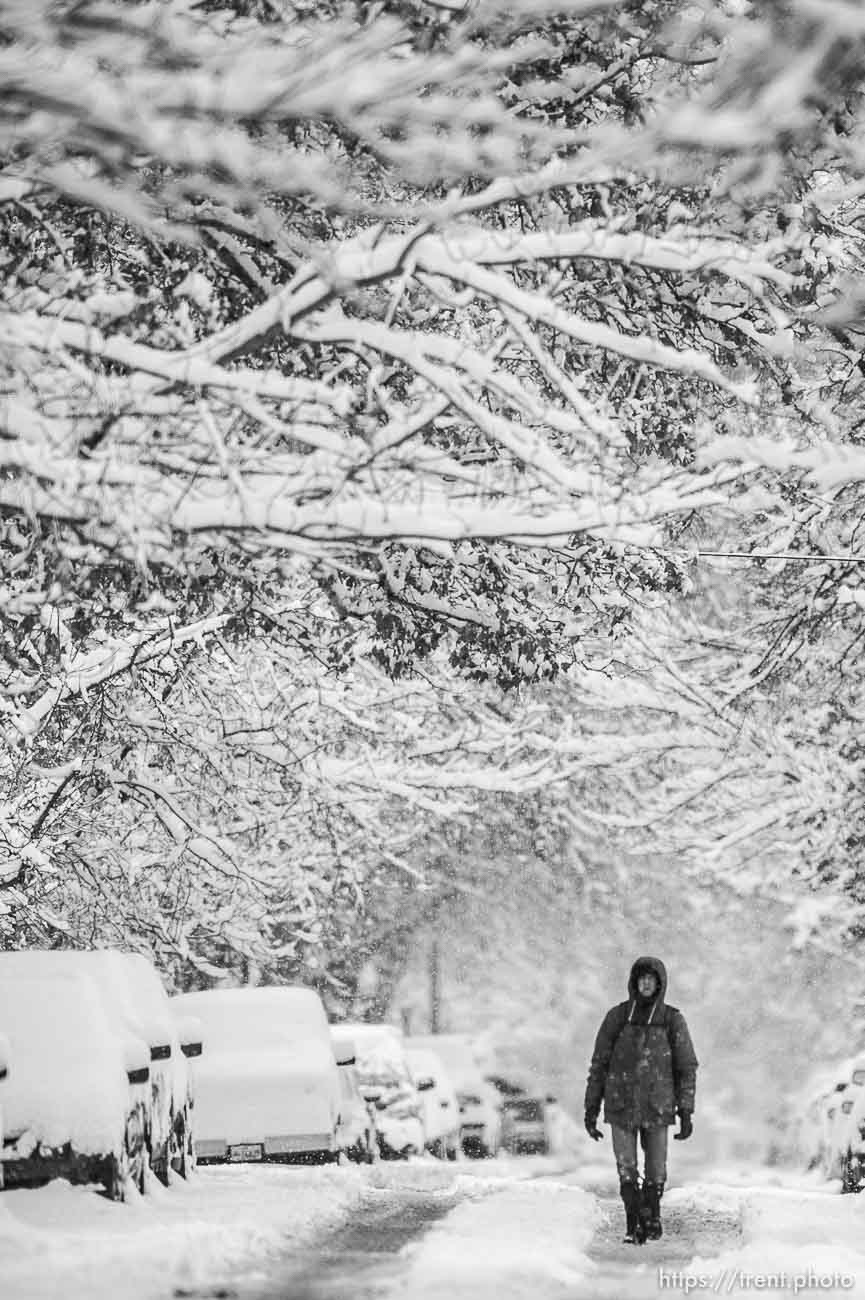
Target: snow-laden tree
463, 310
234, 803
440, 318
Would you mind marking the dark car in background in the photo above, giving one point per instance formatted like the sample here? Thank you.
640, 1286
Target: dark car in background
524, 1126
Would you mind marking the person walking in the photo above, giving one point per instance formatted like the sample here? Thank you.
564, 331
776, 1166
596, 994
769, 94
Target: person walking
644, 1069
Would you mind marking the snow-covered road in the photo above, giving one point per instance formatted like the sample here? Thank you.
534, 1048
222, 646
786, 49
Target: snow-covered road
530, 1229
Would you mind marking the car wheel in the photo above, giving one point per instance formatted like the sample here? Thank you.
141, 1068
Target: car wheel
128, 1166
161, 1163
183, 1147
849, 1179
117, 1175
137, 1150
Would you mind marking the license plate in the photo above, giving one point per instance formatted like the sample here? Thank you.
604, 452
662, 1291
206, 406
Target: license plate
246, 1151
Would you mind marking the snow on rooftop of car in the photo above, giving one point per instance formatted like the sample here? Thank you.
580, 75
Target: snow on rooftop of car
107, 968
265, 1018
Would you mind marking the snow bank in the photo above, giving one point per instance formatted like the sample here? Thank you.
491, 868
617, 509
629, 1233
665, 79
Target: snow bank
508, 1240
226, 1224
789, 1232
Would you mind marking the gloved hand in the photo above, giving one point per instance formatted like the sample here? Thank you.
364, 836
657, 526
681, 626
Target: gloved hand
592, 1127
686, 1128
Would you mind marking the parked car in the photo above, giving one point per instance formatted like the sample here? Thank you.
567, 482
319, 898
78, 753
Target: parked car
844, 1154
131, 1017
479, 1101
838, 1129
358, 1137
267, 1086
386, 1082
172, 1087
524, 1125
441, 1111
74, 1105
853, 1162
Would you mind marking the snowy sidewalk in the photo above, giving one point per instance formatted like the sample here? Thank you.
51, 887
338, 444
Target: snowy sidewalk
509, 1239
503, 1229
552, 1240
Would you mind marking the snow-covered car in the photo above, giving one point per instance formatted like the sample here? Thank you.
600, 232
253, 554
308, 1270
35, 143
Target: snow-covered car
70, 1106
837, 1133
386, 1082
171, 1082
524, 1125
130, 1016
481, 1118
441, 1112
357, 1132
267, 1086
853, 1162
479, 1101
845, 1156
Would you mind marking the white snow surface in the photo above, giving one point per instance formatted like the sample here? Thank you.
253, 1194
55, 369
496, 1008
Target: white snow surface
796, 1232
520, 1229
277, 1016
268, 1068
511, 1239
246, 1098
67, 1081
227, 1222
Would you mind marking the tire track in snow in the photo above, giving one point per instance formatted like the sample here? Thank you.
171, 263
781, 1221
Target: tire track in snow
360, 1257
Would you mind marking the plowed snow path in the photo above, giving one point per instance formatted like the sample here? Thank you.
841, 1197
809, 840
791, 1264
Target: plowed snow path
705, 1228
360, 1258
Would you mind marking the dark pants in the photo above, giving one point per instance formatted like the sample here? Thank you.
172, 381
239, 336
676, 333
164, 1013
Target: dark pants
654, 1144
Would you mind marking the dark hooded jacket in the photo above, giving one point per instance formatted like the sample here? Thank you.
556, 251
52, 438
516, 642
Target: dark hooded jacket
643, 1066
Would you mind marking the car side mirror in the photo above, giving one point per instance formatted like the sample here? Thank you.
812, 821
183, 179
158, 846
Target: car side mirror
191, 1049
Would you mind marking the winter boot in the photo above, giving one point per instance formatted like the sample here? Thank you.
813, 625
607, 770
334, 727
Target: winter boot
652, 1193
630, 1194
